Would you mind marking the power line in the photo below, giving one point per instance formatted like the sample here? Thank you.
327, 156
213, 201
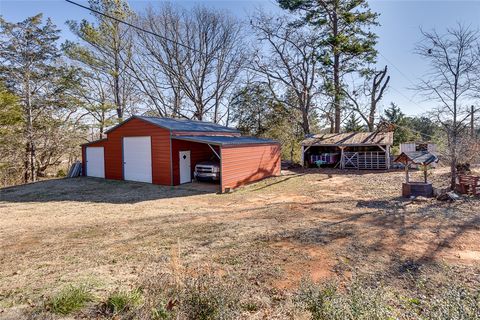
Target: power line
409, 99
398, 69
133, 26
198, 51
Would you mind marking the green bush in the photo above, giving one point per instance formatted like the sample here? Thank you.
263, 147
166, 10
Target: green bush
61, 173
70, 299
357, 301
124, 301
207, 297
450, 301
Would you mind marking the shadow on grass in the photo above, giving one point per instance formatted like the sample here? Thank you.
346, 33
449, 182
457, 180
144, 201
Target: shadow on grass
95, 190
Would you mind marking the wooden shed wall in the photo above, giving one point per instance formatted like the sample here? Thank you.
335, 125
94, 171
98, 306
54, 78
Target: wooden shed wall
198, 152
245, 164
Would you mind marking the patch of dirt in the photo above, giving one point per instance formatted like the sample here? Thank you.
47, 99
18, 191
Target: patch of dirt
302, 262
320, 224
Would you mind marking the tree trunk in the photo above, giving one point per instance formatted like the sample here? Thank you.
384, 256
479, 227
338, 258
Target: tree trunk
336, 75
371, 119
31, 174
337, 97
305, 123
116, 87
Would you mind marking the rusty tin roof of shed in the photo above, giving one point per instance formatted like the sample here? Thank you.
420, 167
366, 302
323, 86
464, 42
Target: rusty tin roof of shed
349, 139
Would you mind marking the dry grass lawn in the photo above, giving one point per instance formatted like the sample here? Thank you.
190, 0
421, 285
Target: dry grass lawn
314, 224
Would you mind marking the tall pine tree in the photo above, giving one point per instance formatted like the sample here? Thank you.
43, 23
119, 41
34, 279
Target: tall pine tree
347, 36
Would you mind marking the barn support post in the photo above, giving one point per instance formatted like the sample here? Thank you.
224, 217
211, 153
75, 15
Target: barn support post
303, 154
218, 156
342, 158
387, 157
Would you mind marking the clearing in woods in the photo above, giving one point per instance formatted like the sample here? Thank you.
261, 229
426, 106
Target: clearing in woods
315, 224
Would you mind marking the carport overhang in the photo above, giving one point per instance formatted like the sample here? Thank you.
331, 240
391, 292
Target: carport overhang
222, 142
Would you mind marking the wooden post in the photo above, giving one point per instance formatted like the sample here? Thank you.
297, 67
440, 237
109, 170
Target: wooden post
425, 173
387, 155
342, 159
303, 156
407, 179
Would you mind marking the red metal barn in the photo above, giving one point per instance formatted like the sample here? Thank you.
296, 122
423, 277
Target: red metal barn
164, 151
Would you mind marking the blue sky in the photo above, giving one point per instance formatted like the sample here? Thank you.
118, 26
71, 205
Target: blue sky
399, 32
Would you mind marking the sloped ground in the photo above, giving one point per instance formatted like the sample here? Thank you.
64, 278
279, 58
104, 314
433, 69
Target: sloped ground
313, 224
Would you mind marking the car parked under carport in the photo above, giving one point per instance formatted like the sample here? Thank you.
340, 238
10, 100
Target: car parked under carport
164, 151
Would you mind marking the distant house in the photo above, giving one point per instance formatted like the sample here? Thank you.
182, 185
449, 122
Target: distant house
165, 151
350, 150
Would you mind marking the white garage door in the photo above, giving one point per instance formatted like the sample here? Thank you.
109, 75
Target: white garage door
95, 162
137, 159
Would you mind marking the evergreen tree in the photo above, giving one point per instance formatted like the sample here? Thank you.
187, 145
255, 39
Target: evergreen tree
251, 107
402, 133
31, 70
353, 124
348, 39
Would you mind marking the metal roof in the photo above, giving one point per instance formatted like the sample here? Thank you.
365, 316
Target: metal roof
417, 157
187, 125
92, 142
175, 124
349, 139
225, 140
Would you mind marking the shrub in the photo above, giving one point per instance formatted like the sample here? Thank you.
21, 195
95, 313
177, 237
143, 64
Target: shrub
357, 301
450, 301
70, 299
123, 301
61, 173
207, 297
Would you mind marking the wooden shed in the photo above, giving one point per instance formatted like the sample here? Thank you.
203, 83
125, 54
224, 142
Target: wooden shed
165, 151
350, 150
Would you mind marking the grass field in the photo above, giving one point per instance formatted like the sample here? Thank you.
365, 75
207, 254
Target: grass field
133, 240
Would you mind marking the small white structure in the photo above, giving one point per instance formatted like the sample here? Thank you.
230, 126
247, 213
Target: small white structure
418, 146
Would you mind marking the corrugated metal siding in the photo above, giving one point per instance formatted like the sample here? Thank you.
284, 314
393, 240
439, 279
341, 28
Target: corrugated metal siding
193, 133
84, 153
245, 164
198, 152
407, 147
161, 173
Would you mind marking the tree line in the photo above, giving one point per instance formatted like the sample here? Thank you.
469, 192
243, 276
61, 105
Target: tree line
283, 76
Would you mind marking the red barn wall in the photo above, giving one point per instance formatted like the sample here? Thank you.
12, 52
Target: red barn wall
245, 164
198, 152
161, 169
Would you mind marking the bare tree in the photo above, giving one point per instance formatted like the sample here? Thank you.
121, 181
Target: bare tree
97, 107
288, 60
454, 60
189, 70
374, 87
106, 49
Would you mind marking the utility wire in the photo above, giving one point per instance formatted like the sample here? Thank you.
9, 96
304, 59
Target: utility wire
198, 51
132, 25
